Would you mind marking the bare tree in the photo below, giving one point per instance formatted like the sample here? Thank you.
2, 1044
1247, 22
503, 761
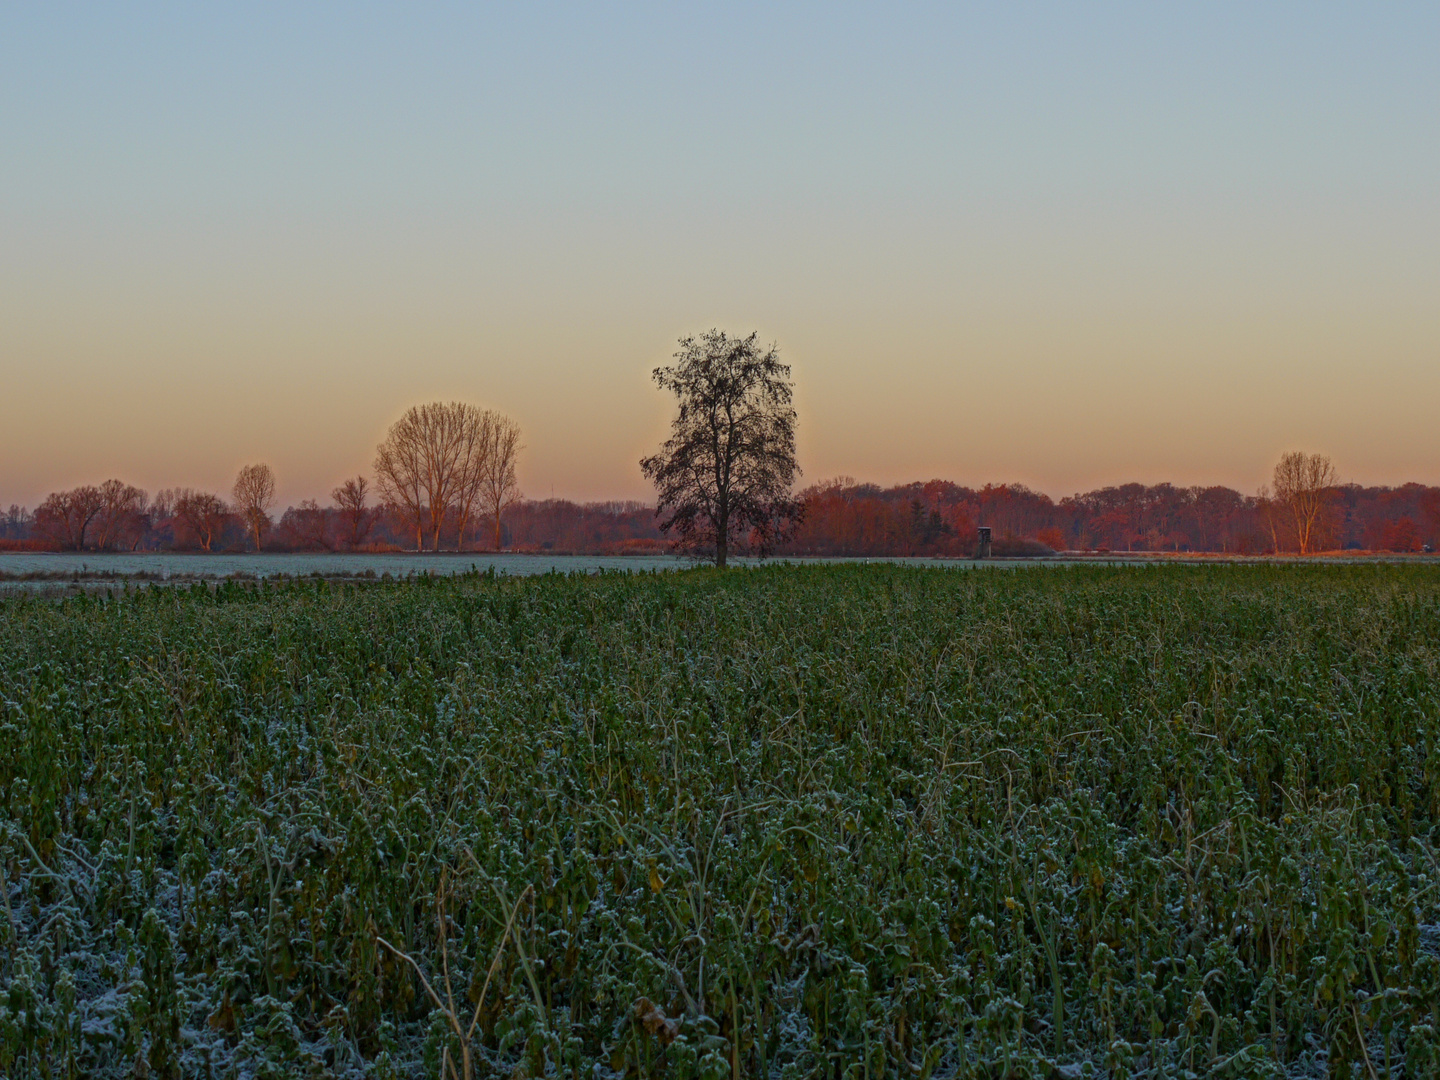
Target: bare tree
725, 474
254, 494
400, 474
200, 512
1302, 487
121, 507
355, 517
474, 451
498, 486
418, 466
436, 460
65, 516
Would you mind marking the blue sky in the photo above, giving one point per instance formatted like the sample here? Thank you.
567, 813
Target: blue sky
1061, 244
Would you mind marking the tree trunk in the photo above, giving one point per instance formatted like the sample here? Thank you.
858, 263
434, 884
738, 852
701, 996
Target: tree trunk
497, 530
722, 528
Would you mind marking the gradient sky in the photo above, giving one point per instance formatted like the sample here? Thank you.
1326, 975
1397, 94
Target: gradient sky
1062, 244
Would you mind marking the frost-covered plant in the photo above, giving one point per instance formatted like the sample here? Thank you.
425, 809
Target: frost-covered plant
815, 821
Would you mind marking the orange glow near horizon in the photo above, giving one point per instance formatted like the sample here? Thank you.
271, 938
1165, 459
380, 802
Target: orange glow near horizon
990, 406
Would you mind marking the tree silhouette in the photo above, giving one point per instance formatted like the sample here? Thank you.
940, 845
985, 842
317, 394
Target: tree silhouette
724, 476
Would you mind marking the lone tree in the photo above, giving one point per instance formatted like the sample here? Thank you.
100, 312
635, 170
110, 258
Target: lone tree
724, 475
1302, 488
254, 493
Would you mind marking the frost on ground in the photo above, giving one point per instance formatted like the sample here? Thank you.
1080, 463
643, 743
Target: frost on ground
789, 822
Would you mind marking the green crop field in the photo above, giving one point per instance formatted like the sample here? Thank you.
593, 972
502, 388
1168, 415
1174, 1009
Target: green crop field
844, 821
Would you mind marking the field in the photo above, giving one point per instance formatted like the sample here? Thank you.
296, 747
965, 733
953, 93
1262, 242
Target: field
829, 821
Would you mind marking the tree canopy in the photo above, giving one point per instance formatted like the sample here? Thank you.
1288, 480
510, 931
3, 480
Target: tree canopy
724, 477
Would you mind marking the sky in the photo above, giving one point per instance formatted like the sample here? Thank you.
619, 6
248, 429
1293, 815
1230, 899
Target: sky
1061, 244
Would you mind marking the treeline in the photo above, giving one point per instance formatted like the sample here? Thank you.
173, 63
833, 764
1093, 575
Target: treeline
119, 517
84, 519
115, 516
442, 469
841, 517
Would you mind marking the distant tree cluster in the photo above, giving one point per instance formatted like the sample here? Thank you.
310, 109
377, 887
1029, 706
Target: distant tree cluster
1297, 514
564, 527
102, 516
442, 469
